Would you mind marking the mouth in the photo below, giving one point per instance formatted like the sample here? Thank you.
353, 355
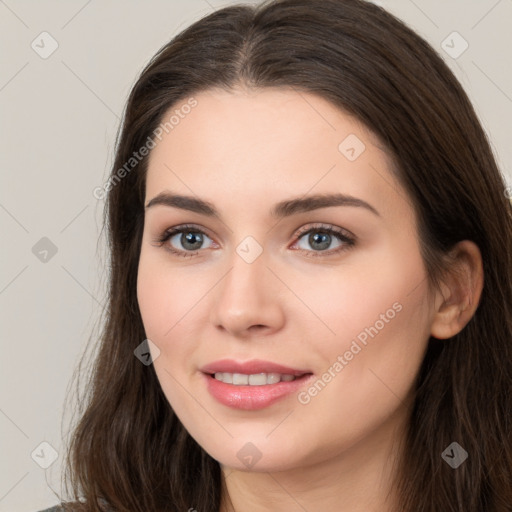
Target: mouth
254, 384
252, 368
255, 379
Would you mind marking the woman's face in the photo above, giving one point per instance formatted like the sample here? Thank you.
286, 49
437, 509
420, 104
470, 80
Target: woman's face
259, 278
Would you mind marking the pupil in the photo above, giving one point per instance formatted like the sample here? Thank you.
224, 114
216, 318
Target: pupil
189, 239
314, 238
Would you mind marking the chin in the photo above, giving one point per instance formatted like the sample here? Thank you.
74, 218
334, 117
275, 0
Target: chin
256, 456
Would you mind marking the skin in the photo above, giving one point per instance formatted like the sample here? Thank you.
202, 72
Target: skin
243, 151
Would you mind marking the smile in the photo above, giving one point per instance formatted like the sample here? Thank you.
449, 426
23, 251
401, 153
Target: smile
255, 379
252, 392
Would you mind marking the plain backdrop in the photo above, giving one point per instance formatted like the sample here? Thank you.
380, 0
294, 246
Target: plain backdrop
59, 113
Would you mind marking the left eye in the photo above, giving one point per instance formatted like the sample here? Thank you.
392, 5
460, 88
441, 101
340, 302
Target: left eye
320, 239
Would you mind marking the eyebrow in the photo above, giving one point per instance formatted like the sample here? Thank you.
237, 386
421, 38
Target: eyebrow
280, 210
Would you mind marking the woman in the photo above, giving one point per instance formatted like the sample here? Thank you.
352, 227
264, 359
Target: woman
310, 301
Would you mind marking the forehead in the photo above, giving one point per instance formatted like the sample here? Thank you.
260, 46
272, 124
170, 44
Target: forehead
268, 143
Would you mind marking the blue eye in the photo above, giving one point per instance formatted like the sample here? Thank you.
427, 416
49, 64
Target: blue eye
189, 237
321, 237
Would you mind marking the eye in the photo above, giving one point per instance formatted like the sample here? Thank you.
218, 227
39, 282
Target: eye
320, 237
190, 238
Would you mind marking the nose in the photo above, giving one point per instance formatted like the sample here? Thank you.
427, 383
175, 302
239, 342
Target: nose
247, 299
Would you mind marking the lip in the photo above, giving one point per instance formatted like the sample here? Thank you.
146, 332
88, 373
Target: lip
251, 398
251, 367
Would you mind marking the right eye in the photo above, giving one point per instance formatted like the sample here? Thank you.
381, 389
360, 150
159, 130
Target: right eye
189, 237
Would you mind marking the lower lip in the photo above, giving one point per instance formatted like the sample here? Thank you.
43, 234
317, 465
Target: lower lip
252, 398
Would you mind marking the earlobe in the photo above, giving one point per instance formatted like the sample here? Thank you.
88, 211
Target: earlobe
458, 299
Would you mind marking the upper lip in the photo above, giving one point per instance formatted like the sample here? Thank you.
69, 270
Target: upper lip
250, 367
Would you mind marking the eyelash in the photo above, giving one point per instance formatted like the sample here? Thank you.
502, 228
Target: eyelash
348, 242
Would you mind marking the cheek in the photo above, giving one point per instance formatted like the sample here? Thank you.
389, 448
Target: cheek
171, 302
164, 296
161, 307
375, 314
341, 303
154, 304
380, 323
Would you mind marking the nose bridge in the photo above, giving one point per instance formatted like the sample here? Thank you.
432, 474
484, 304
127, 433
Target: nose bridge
246, 281
245, 297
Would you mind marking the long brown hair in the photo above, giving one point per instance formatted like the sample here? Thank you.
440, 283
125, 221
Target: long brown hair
129, 451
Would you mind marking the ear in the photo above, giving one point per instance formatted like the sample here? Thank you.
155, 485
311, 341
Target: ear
461, 289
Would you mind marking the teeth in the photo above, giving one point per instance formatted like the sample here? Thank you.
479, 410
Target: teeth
257, 379
273, 378
239, 379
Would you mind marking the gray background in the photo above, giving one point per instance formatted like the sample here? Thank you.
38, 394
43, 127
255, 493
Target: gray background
58, 122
